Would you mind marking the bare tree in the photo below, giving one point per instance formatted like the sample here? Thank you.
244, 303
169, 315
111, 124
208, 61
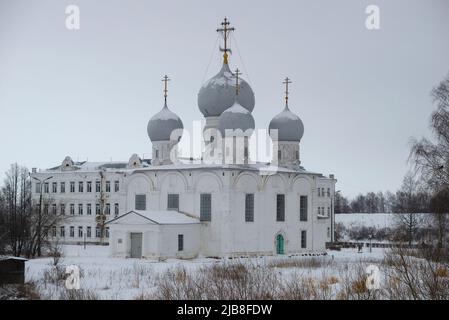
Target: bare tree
24, 225
440, 207
407, 207
431, 158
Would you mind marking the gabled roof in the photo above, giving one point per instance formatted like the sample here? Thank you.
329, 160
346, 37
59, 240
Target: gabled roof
160, 217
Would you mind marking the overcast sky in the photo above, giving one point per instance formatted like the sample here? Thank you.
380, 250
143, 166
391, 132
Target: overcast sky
90, 93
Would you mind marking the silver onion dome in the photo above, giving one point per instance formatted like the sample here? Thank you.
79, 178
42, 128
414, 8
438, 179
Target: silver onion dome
163, 124
234, 118
288, 125
218, 94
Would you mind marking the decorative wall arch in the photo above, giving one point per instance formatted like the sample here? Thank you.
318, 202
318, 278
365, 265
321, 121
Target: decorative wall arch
174, 173
306, 178
215, 176
258, 180
138, 175
267, 178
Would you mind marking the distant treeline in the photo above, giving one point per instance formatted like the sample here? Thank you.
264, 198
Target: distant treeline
410, 198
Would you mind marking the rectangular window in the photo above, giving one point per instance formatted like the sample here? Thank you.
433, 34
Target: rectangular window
53, 209
280, 207
54, 187
140, 202
97, 209
106, 232
38, 187
62, 231
97, 186
72, 209
328, 232
89, 186
89, 209
297, 154
328, 211
80, 209
116, 186
62, 187
80, 186
108, 208
47, 188
180, 242
116, 209
89, 232
46, 209
72, 186
72, 232
97, 232
173, 201
319, 192
53, 231
322, 192
279, 154
205, 207
328, 192
108, 186
303, 205
80, 232
249, 207
62, 209
303, 239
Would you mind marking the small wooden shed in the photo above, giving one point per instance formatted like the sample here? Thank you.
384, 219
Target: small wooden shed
12, 270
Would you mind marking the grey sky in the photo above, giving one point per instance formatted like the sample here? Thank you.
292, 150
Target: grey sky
90, 93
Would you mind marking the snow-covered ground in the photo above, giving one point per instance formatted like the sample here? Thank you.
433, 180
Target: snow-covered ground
121, 278
377, 220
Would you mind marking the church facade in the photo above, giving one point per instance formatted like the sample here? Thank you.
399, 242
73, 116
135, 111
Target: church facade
173, 207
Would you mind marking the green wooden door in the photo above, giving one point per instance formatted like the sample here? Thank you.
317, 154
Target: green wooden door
279, 244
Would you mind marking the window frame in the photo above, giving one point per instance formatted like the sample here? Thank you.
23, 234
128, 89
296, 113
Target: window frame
173, 197
280, 210
303, 216
180, 242
142, 201
249, 207
205, 204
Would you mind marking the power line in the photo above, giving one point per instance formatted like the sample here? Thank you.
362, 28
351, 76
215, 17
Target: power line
210, 59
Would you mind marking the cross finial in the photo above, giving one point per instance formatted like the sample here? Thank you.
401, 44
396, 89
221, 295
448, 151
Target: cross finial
225, 30
287, 81
237, 84
165, 80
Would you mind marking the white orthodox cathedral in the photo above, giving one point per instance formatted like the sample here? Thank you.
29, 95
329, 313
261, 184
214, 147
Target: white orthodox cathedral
223, 204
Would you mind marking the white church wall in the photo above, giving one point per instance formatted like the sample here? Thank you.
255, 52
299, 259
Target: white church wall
168, 240
211, 231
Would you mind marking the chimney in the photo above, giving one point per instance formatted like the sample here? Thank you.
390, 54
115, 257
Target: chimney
332, 176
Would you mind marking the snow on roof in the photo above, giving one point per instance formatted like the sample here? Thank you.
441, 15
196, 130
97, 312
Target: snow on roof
184, 164
2, 258
161, 217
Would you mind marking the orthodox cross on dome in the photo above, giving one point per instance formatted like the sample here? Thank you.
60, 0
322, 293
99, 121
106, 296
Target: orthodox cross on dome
165, 80
237, 85
287, 81
225, 31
